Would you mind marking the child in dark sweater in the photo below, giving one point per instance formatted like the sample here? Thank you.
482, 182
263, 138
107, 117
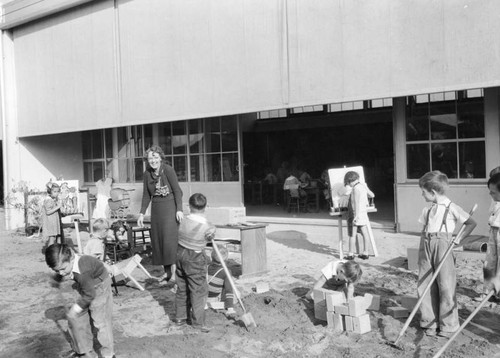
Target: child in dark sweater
95, 302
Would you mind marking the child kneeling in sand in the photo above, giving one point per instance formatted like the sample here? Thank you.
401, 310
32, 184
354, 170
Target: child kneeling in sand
219, 287
338, 275
95, 303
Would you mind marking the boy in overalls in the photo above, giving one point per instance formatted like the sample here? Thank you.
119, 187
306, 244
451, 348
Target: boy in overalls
439, 312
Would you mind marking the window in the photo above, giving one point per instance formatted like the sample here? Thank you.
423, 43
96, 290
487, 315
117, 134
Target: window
125, 162
445, 131
97, 145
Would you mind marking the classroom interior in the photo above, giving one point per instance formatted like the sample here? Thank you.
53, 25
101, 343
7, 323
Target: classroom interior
315, 142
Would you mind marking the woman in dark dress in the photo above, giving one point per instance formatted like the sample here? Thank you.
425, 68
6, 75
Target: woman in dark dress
162, 189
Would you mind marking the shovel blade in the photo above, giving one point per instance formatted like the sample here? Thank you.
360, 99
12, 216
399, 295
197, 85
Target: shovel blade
248, 320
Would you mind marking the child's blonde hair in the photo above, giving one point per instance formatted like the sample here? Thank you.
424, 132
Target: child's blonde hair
434, 180
494, 171
51, 186
352, 271
100, 225
223, 252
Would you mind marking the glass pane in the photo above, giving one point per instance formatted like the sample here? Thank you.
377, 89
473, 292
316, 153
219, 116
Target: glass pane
472, 160
165, 137
124, 170
229, 126
443, 120
136, 141
180, 166
470, 119
417, 123
230, 168
86, 145
138, 169
108, 133
179, 139
87, 172
196, 136
444, 158
97, 144
213, 167
97, 171
417, 157
148, 138
213, 135
110, 167
197, 172
122, 142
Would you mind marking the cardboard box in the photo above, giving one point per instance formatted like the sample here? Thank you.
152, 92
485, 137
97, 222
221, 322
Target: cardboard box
357, 306
261, 287
372, 302
225, 215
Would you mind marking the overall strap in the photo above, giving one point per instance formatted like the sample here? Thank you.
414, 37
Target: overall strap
445, 215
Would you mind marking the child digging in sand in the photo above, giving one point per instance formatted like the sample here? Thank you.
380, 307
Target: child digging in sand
94, 305
439, 312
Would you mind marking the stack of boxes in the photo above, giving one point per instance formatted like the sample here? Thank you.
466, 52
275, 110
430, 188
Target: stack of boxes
342, 315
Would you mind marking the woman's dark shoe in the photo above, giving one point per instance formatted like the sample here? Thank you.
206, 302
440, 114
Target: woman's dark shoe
363, 257
349, 257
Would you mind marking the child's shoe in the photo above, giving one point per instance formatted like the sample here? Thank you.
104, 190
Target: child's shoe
445, 334
230, 312
430, 332
349, 257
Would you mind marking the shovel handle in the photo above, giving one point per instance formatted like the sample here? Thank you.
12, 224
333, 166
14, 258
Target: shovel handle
433, 278
466, 322
228, 274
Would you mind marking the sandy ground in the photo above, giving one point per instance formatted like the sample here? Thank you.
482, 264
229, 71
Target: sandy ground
32, 320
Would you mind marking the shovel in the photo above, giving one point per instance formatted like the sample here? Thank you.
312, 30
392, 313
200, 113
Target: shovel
433, 278
247, 317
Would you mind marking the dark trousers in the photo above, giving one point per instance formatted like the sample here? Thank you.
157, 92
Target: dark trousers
192, 287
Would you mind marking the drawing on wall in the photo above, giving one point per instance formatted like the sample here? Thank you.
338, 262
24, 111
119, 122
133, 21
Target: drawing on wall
340, 192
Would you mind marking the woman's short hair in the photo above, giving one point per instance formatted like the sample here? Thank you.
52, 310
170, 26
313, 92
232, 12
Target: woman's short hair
154, 149
434, 180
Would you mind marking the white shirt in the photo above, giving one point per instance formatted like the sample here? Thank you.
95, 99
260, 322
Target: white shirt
330, 269
494, 219
455, 215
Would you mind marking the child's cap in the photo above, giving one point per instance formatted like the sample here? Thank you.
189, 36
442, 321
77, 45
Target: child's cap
223, 252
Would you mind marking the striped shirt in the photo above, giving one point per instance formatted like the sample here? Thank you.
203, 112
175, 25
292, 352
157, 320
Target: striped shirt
195, 231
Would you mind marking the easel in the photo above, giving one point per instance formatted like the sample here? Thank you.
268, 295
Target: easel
342, 215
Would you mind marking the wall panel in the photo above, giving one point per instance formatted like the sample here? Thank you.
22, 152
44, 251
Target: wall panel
65, 71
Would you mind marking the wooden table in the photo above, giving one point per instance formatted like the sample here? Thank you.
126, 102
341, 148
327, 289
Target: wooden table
342, 215
253, 246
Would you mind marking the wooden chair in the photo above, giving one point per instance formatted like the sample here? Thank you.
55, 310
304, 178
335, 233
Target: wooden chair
294, 201
126, 267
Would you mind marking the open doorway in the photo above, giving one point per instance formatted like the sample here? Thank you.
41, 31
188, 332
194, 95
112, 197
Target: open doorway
315, 149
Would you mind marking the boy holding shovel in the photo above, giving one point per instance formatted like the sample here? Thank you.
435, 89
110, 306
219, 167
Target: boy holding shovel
439, 313
191, 265
491, 276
